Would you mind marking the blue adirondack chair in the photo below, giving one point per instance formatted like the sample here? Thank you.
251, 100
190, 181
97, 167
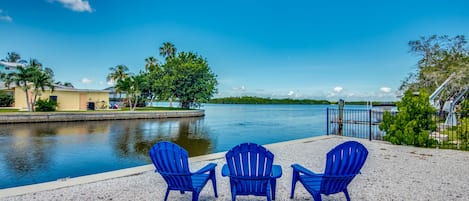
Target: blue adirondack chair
171, 162
251, 171
342, 164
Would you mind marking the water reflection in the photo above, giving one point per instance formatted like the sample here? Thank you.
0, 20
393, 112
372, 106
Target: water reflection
189, 133
25, 156
32, 153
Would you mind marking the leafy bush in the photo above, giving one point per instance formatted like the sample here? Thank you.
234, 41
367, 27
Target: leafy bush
463, 130
413, 123
46, 105
464, 109
6, 99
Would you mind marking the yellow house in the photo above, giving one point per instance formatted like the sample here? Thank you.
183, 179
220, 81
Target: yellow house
68, 99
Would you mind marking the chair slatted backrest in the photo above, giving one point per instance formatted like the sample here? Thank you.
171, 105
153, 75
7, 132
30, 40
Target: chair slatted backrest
250, 167
171, 161
343, 164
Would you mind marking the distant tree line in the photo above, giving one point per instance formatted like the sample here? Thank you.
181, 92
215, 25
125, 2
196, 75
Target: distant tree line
259, 100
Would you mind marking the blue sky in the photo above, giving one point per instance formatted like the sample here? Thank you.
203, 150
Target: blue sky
319, 49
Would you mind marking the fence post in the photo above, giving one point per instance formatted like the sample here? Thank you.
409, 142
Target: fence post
369, 125
341, 116
327, 119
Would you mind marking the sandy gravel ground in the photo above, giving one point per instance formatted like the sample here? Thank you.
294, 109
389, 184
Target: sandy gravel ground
390, 173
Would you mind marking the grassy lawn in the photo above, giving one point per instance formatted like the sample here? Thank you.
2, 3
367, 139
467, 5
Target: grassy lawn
8, 110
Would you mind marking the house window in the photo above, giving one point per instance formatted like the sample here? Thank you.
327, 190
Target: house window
53, 98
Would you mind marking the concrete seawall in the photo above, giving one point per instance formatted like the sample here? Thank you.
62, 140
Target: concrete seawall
95, 116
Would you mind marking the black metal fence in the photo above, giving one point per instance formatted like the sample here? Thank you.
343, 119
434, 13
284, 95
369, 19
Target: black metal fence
452, 130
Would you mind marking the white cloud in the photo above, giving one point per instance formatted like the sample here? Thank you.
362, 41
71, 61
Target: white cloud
111, 82
76, 5
291, 93
242, 88
86, 81
338, 89
385, 89
101, 83
4, 17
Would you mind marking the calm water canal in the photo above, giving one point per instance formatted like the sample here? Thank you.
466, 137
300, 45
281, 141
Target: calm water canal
40, 152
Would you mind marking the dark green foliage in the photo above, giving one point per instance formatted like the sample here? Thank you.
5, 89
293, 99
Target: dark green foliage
463, 130
188, 78
6, 99
464, 109
413, 123
46, 105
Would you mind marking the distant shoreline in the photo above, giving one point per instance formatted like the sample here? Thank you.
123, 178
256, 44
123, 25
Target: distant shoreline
285, 101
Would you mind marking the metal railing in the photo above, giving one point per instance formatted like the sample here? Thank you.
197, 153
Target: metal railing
452, 132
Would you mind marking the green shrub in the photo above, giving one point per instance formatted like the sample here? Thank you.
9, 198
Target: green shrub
46, 105
6, 99
464, 109
413, 123
463, 130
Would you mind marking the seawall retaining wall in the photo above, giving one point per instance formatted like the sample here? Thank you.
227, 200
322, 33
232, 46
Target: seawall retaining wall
95, 116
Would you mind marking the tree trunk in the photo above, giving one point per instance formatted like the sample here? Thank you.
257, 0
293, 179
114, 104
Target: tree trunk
120, 98
130, 104
34, 102
151, 101
28, 102
135, 103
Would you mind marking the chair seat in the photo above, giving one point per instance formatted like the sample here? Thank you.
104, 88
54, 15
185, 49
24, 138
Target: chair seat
251, 171
311, 183
171, 161
343, 163
199, 180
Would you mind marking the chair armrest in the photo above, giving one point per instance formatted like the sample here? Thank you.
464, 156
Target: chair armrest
276, 171
301, 169
225, 171
208, 167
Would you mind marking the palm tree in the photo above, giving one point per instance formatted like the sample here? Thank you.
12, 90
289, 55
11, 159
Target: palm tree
117, 74
31, 75
132, 87
151, 69
40, 80
13, 57
168, 50
20, 78
151, 64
